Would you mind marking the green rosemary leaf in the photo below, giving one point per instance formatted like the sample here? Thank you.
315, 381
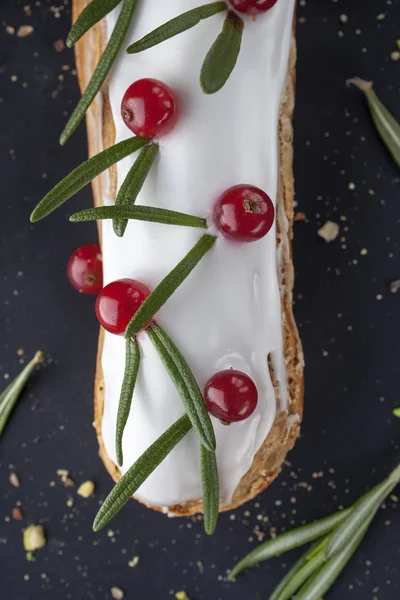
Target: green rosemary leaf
386, 125
365, 508
132, 363
185, 383
133, 183
290, 540
396, 412
84, 174
276, 594
140, 471
209, 478
186, 21
222, 56
168, 285
103, 68
139, 213
91, 14
9, 397
307, 570
322, 580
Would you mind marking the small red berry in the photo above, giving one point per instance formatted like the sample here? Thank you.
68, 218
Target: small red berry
252, 7
231, 396
244, 213
85, 269
149, 108
118, 302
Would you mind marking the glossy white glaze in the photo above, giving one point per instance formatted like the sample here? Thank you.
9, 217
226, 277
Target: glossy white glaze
227, 314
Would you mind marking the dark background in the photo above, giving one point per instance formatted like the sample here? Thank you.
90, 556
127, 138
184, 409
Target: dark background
349, 322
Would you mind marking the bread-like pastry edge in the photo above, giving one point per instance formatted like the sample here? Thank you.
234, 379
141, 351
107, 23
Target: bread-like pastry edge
269, 458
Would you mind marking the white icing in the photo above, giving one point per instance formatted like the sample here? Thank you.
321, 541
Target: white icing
227, 313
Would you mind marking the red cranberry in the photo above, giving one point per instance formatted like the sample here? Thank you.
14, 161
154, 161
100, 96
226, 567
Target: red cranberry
118, 302
85, 269
149, 108
231, 396
252, 7
244, 213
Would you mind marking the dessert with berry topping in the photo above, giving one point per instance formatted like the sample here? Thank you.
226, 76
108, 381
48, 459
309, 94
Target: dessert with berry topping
197, 326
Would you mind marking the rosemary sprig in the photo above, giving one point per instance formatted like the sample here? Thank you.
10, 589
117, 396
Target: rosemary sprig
386, 125
103, 68
289, 540
364, 509
185, 383
223, 54
84, 174
132, 363
90, 15
315, 572
325, 577
210, 484
140, 471
311, 565
168, 285
9, 397
178, 25
139, 213
277, 593
133, 183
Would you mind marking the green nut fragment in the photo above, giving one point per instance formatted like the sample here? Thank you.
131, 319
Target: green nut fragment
34, 538
86, 489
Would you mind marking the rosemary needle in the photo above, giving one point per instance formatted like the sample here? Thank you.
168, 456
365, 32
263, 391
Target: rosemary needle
84, 174
185, 383
223, 54
90, 15
103, 68
132, 364
9, 397
178, 25
169, 285
140, 471
386, 125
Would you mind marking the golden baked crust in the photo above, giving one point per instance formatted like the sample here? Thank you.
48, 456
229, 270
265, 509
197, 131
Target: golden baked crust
268, 461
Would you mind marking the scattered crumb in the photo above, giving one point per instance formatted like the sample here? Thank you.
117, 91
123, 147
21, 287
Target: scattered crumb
181, 595
86, 489
363, 252
395, 55
10, 30
300, 216
34, 538
117, 593
14, 480
329, 231
133, 563
17, 514
344, 18
394, 286
24, 31
351, 186
59, 45
65, 478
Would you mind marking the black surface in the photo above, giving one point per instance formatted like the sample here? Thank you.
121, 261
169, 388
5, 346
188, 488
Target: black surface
350, 336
